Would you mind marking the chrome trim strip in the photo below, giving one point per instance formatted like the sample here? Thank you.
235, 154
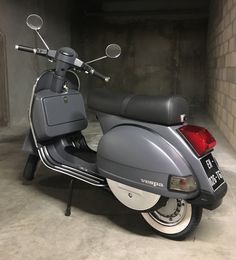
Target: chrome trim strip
83, 171
30, 111
77, 77
73, 174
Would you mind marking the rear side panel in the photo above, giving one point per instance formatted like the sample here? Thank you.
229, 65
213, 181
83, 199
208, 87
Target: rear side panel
139, 157
174, 140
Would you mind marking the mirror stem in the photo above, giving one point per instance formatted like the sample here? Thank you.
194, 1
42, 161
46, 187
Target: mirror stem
101, 58
41, 38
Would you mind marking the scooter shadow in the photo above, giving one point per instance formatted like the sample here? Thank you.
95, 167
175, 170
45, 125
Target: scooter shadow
93, 200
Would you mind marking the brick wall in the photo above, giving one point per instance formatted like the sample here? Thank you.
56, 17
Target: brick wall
221, 52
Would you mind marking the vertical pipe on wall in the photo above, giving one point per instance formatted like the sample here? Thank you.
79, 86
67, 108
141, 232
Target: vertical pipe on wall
4, 102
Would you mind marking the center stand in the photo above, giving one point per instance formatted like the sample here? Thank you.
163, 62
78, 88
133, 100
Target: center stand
69, 200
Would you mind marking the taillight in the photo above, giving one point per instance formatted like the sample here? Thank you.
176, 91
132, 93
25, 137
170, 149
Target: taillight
199, 138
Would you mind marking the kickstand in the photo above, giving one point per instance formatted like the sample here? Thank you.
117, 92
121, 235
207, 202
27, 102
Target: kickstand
69, 201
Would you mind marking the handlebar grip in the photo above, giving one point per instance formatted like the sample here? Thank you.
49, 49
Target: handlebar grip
25, 48
92, 71
99, 75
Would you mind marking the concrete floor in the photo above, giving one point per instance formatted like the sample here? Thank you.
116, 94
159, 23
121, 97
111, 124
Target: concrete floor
33, 225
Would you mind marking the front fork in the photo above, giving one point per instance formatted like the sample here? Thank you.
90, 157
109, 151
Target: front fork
29, 145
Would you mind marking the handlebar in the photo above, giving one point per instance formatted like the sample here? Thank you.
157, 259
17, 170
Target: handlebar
52, 54
99, 75
38, 51
92, 71
25, 48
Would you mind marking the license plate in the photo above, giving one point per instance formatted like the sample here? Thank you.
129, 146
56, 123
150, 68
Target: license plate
213, 173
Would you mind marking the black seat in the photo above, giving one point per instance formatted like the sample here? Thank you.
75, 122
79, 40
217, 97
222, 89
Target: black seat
160, 110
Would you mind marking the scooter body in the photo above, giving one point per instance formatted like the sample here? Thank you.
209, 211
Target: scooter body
139, 154
146, 159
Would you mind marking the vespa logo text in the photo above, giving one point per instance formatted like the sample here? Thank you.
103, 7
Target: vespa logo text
153, 183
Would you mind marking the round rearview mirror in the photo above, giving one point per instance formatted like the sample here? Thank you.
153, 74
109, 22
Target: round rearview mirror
113, 51
34, 22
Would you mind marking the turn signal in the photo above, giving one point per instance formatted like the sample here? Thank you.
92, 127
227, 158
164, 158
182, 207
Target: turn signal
199, 138
185, 184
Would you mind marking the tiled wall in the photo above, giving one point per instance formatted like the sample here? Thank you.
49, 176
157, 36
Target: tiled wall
221, 52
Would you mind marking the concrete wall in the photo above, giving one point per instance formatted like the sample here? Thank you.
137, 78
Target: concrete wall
222, 66
23, 68
159, 57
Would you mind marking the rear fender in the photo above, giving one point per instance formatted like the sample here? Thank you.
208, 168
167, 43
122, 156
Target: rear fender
139, 157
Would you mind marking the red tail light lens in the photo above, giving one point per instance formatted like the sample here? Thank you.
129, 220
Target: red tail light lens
199, 138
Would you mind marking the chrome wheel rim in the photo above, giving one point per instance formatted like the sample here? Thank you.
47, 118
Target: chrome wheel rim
171, 214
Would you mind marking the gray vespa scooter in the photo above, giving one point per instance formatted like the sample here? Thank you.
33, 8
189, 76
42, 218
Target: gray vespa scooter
149, 157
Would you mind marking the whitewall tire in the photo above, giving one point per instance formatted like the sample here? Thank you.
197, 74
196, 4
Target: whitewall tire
175, 220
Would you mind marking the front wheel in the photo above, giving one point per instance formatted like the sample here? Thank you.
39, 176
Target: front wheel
175, 220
